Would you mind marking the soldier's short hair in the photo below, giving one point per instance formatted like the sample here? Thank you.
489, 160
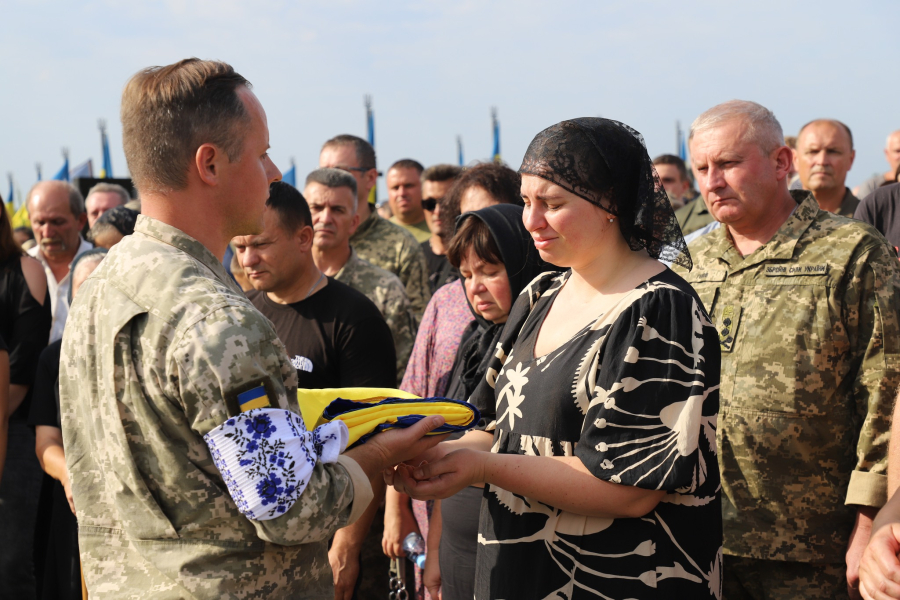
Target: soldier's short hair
168, 112
365, 153
408, 163
441, 172
762, 127
290, 206
76, 200
675, 161
333, 178
834, 122
114, 188
501, 182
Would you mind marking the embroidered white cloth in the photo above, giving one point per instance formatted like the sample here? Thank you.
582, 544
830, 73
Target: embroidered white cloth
266, 456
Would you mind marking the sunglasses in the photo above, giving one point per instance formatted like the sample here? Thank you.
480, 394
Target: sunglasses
430, 204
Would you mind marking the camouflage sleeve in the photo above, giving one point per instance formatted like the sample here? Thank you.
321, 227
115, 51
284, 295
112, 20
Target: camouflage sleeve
414, 275
234, 350
400, 319
872, 302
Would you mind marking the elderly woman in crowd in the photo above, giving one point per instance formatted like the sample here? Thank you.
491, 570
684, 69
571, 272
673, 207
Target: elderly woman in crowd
600, 471
440, 333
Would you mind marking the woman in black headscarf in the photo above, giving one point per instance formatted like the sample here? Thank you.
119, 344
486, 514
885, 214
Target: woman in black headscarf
496, 259
601, 472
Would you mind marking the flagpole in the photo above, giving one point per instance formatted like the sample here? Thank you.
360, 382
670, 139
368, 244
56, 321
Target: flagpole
370, 131
37, 166
495, 123
459, 150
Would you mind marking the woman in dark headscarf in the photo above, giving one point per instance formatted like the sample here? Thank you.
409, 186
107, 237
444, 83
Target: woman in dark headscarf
496, 260
601, 473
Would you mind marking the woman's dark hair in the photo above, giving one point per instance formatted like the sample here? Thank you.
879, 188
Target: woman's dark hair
501, 182
474, 234
8, 245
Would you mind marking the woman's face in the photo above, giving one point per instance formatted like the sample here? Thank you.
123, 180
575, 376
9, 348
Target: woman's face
567, 230
487, 287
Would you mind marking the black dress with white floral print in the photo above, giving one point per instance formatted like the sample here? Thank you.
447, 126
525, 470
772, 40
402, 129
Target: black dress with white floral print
635, 396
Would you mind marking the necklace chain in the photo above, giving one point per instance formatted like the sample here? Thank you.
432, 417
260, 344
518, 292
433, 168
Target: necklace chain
315, 285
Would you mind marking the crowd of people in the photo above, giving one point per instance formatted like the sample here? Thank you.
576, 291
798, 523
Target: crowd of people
685, 373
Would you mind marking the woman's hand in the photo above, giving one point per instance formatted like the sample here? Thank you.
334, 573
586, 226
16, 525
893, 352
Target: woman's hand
443, 478
398, 523
879, 569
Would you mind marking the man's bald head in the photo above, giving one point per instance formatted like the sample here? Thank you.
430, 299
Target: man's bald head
823, 156
56, 210
892, 150
837, 125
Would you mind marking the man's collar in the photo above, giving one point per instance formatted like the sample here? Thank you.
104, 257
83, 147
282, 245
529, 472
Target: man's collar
782, 244
83, 246
173, 236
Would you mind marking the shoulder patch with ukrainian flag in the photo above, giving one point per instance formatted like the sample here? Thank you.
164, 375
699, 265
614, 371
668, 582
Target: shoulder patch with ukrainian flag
255, 398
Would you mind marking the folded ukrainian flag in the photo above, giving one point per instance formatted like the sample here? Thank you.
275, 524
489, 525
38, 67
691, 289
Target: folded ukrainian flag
367, 411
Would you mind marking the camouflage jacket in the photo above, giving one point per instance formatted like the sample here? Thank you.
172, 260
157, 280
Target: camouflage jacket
388, 294
693, 216
393, 248
808, 327
158, 344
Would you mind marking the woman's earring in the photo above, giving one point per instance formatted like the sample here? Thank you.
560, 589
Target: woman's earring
611, 219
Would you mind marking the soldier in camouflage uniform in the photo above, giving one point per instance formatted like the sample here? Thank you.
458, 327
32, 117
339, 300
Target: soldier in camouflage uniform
806, 304
331, 194
377, 240
171, 383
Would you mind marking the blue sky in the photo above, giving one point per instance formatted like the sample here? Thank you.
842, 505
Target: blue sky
434, 70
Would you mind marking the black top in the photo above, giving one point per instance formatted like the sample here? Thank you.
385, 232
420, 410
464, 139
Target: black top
25, 325
3, 347
335, 338
881, 209
440, 271
45, 395
634, 395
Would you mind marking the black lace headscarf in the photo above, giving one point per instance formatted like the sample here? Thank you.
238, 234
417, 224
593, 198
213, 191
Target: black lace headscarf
606, 163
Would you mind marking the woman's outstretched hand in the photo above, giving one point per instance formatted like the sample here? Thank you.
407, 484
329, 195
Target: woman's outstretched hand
439, 479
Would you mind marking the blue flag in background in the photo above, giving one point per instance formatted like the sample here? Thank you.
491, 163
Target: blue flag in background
290, 176
106, 171
459, 150
496, 127
370, 131
63, 174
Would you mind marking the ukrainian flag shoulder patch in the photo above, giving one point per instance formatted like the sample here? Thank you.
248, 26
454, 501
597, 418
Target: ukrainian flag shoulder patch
255, 398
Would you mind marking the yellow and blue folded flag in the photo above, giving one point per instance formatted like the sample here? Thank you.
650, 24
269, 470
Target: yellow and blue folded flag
367, 411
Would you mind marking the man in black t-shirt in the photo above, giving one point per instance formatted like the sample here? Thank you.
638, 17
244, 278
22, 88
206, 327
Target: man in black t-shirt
881, 209
334, 335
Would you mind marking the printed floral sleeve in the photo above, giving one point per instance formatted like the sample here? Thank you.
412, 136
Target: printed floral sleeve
652, 418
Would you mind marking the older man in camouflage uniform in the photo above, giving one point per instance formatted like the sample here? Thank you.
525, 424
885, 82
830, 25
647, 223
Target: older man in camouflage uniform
806, 303
331, 194
171, 382
377, 240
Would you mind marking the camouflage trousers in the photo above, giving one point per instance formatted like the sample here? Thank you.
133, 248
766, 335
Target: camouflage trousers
754, 579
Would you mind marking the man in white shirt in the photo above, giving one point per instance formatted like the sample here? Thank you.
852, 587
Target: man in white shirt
56, 210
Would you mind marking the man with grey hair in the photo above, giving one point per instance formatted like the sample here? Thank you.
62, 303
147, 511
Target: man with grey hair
103, 197
806, 303
892, 156
56, 210
330, 194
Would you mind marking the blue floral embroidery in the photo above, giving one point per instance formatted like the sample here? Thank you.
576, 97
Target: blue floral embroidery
269, 463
